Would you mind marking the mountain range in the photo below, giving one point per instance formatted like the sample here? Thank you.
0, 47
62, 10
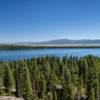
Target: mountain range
59, 42
65, 41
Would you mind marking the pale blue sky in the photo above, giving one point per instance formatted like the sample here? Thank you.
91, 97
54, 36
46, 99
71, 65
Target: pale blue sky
36, 20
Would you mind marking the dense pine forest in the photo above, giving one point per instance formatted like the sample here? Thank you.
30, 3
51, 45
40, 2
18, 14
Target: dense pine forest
51, 78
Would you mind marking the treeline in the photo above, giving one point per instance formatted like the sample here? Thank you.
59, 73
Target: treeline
15, 47
43, 46
52, 78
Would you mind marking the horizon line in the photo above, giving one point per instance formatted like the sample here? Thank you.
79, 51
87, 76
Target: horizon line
45, 40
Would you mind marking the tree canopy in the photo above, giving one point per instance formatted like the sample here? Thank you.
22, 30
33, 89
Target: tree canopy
52, 78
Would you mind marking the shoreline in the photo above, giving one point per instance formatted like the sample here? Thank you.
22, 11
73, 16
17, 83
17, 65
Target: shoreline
35, 46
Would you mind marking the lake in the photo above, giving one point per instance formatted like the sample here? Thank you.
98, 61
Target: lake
7, 55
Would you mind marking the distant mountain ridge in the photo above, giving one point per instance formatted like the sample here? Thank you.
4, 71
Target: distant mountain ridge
61, 41
68, 41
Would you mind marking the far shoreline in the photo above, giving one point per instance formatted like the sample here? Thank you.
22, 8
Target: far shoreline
39, 46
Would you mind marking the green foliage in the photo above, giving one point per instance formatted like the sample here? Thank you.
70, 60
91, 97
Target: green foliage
25, 83
8, 79
50, 96
55, 97
52, 78
1, 86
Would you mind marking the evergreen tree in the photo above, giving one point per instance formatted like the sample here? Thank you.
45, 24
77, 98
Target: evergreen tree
67, 86
92, 76
9, 82
1, 86
92, 96
50, 96
97, 89
43, 86
55, 96
25, 83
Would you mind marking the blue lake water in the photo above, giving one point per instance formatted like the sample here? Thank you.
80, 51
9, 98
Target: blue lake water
7, 55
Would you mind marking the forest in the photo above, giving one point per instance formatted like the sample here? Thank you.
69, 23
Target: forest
52, 78
43, 46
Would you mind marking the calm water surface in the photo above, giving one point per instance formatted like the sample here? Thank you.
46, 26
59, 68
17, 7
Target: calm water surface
25, 54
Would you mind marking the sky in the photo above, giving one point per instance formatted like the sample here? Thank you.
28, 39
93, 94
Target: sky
40, 20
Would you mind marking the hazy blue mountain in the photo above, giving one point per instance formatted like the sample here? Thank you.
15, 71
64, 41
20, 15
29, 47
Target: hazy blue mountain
62, 41
67, 41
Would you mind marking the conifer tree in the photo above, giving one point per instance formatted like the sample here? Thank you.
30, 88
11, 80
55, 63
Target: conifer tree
50, 96
9, 82
92, 76
25, 83
43, 86
1, 86
17, 81
68, 88
55, 96
92, 96
85, 78
97, 89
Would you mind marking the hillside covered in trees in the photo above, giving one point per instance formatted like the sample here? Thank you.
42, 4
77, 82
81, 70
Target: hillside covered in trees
51, 78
